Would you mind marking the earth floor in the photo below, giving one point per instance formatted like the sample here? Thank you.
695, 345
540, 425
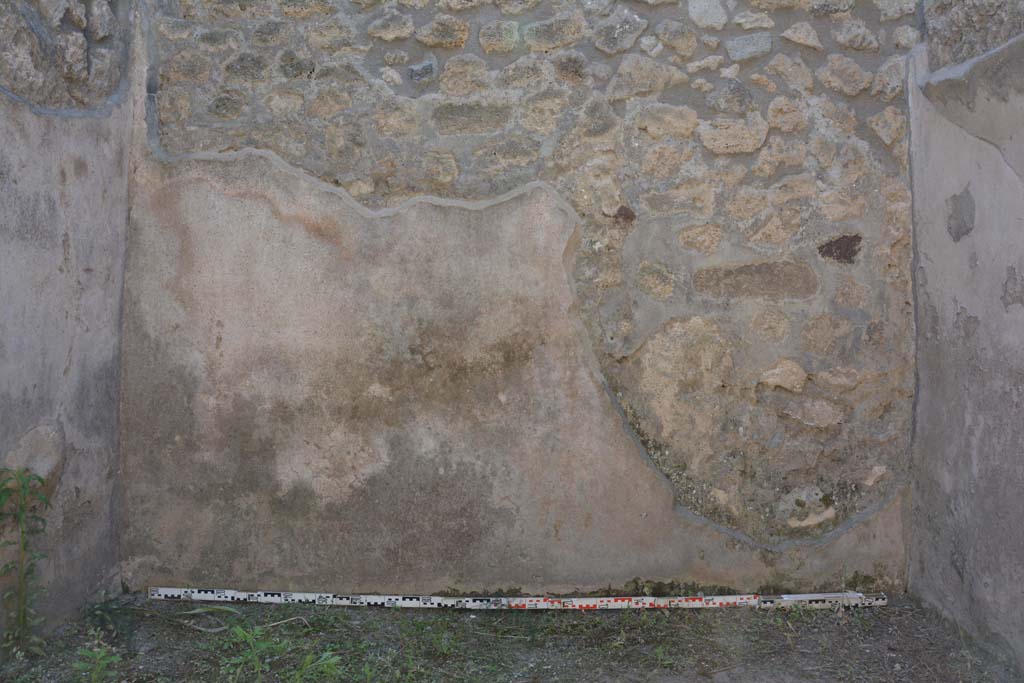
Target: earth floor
139, 641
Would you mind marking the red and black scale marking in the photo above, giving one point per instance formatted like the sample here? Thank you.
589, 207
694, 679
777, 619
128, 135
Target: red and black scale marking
807, 600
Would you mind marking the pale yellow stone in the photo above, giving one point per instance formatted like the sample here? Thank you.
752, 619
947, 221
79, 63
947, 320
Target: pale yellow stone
329, 103
840, 205
390, 76
685, 355
838, 379
817, 413
840, 115
541, 112
747, 202
787, 115
727, 174
823, 333
776, 230
771, 324
762, 81
889, 125
397, 118
666, 120
813, 519
851, 293
656, 280
792, 188
779, 152
876, 473
842, 74
640, 75
464, 75
175, 105
803, 34
752, 20
793, 71
888, 82
360, 188
854, 34
283, 102
702, 85
733, 136
664, 160
773, 5
823, 149
693, 197
704, 238
707, 64
785, 374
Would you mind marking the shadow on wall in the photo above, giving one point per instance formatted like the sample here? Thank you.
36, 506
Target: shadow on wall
63, 211
967, 540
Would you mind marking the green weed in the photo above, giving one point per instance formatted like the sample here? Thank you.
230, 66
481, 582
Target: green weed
313, 668
21, 499
96, 663
256, 652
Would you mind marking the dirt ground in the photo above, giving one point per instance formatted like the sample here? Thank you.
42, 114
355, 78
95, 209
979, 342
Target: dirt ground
139, 641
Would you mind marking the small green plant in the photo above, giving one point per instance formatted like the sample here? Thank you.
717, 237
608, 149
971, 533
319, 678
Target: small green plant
96, 663
107, 618
313, 668
21, 499
256, 653
443, 643
662, 658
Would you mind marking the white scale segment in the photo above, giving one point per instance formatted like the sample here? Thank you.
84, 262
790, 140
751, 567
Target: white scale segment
804, 600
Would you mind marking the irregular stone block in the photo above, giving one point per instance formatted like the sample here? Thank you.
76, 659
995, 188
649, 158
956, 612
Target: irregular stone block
444, 31
392, 25
639, 75
775, 280
786, 374
499, 36
803, 34
462, 118
560, 31
734, 136
844, 75
707, 13
617, 32
677, 36
749, 46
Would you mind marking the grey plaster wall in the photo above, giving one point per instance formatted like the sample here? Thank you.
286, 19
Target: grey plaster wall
63, 204
967, 536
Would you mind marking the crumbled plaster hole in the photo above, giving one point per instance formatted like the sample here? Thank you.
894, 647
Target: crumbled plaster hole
960, 214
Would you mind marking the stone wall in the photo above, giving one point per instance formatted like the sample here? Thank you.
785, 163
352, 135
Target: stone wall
653, 320
316, 396
961, 29
63, 210
740, 173
967, 541
63, 53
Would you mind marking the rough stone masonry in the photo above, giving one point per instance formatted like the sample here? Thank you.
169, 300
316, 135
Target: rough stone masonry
477, 294
739, 173
737, 269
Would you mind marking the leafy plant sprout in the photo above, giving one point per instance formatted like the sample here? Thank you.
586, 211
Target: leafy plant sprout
21, 499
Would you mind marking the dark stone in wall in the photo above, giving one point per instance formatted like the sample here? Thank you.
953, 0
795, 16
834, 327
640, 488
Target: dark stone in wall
843, 249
